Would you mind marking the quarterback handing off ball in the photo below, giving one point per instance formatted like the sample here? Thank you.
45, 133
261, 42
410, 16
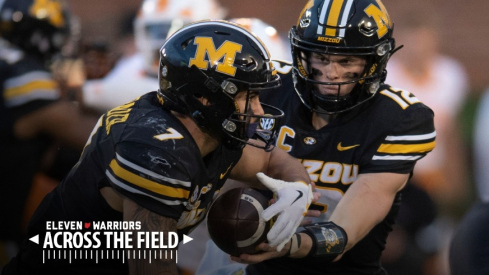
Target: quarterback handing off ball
234, 221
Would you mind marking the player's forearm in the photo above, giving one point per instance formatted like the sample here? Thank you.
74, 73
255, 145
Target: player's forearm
325, 240
304, 248
366, 203
282, 166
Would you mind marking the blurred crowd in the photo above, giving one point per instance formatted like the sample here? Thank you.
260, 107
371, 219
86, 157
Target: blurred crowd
49, 108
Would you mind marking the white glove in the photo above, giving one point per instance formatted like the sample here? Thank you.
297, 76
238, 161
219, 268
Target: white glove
293, 200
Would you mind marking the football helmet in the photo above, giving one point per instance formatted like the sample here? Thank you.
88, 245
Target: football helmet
354, 27
38, 27
217, 60
157, 18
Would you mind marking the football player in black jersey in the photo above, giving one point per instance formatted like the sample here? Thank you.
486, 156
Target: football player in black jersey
32, 115
161, 160
358, 138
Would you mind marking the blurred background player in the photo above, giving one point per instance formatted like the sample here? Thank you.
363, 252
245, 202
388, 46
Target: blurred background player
440, 188
481, 147
137, 73
154, 22
468, 250
279, 49
32, 34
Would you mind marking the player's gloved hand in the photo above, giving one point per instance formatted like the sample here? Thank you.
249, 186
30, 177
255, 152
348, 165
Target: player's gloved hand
293, 200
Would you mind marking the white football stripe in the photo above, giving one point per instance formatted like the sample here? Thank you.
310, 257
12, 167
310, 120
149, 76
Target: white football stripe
261, 226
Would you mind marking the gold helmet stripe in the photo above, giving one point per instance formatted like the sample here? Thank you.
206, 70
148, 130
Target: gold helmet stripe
337, 16
334, 14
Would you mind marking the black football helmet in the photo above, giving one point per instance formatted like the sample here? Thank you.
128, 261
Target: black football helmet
351, 27
216, 60
39, 27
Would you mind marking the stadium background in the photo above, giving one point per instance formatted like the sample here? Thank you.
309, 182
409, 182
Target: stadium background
464, 33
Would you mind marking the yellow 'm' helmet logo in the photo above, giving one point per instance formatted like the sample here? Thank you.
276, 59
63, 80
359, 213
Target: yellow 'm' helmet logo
381, 18
227, 52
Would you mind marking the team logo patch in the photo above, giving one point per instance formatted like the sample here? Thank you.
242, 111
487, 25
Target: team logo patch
381, 17
309, 141
267, 123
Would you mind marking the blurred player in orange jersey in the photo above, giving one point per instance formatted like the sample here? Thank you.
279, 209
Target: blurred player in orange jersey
137, 74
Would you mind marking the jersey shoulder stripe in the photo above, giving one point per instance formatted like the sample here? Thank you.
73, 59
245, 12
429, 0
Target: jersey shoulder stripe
412, 139
26, 87
394, 148
136, 177
144, 171
132, 190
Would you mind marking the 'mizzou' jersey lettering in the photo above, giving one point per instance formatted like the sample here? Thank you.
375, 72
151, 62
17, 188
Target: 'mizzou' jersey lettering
332, 180
118, 115
331, 172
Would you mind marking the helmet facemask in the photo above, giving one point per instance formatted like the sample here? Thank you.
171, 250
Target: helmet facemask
221, 115
226, 120
245, 124
308, 87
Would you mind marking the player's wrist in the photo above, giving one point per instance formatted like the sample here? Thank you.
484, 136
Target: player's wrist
328, 240
304, 245
294, 245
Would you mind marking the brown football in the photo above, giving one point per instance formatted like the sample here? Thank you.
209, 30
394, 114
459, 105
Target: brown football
234, 221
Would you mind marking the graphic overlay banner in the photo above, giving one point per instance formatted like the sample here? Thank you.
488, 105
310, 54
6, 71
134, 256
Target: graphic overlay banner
96, 241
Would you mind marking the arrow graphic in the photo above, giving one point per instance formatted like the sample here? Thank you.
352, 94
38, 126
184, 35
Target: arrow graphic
186, 239
35, 239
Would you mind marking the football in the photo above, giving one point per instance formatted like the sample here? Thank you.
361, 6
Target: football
234, 222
